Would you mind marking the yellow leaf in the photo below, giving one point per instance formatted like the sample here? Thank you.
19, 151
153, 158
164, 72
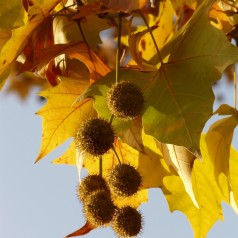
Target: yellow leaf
218, 139
206, 191
181, 160
69, 157
163, 33
233, 176
61, 116
38, 11
124, 5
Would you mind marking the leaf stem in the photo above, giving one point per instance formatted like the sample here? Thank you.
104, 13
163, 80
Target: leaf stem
116, 154
100, 165
118, 55
111, 119
152, 36
235, 86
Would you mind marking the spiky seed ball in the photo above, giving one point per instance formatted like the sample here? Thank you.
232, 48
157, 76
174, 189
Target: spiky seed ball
95, 136
125, 100
127, 222
124, 180
90, 184
98, 208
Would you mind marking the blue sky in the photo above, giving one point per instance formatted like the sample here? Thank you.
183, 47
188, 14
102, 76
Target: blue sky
39, 200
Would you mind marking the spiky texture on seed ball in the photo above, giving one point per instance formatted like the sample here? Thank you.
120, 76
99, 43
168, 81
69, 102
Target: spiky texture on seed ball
98, 208
127, 222
125, 100
90, 184
124, 180
95, 136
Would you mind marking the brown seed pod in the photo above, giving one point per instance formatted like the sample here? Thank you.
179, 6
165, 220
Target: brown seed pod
90, 184
98, 208
125, 100
124, 180
126, 222
95, 137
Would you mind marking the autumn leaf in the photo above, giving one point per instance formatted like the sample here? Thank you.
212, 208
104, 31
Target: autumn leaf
82, 231
124, 5
218, 139
179, 159
206, 191
12, 14
98, 91
68, 31
78, 51
141, 44
68, 157
37, 13
61, 117
180, 98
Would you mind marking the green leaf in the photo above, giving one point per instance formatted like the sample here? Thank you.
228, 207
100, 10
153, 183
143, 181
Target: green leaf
98, 91
180, 98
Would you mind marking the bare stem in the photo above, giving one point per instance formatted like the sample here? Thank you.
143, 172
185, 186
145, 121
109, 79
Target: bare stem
116, 155
100, 165
152, 36
235, 86
118, 47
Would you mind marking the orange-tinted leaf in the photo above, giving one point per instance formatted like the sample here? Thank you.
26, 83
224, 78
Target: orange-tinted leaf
37, 13
124, 5
78, 51
82, 231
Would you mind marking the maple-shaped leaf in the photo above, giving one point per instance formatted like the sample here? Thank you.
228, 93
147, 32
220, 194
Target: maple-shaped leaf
180, 160
61, 116
78, 51
98, 91
68, 31
141, 44
206, 191
124, 5
180, 98
12, 14
82, 231
37, 13
218, 139
233, 174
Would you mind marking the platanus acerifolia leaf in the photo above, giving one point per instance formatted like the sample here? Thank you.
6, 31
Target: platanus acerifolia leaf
218, 139
37, 13
12, 14
181, 161
141, 44
206, 190
78, 51
180, 98
82, 231
61, 116
124, 5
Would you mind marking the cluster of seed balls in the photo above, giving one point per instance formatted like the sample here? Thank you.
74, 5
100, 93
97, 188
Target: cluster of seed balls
95, 192
95, 137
